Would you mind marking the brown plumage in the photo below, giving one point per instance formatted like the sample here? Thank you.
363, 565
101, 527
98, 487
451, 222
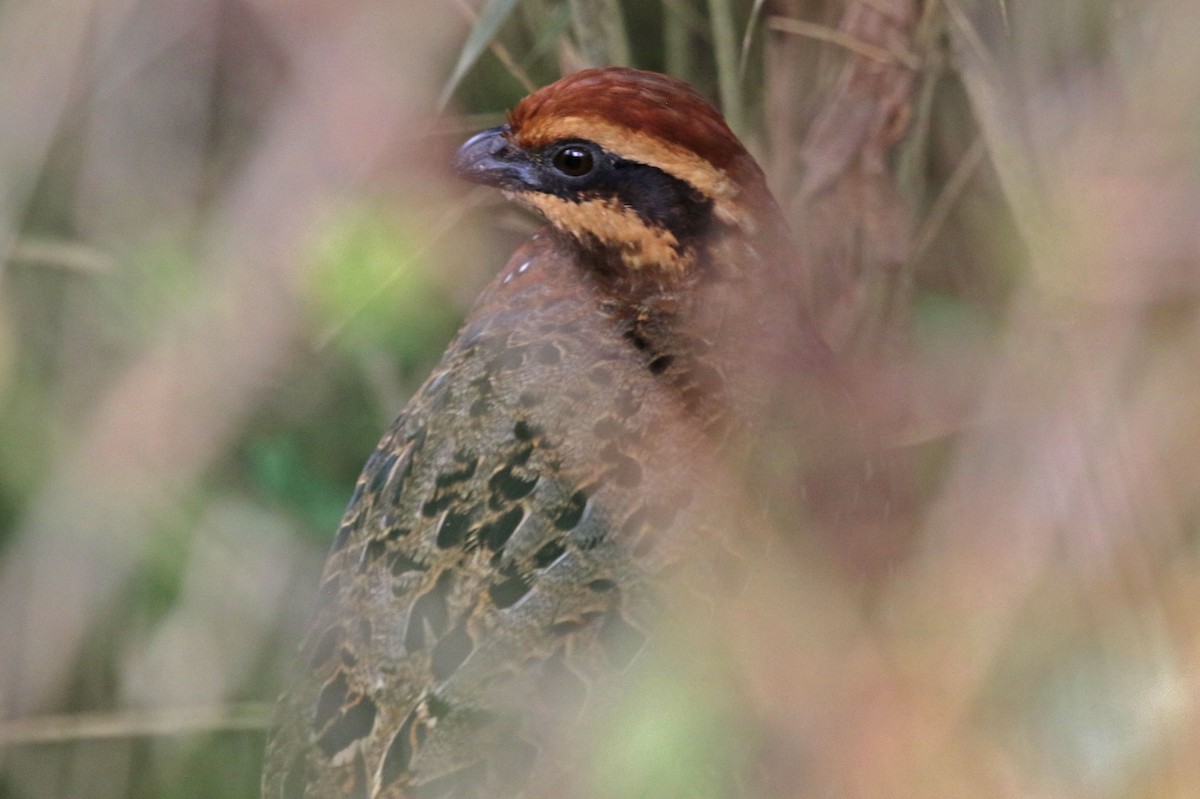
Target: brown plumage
590, 431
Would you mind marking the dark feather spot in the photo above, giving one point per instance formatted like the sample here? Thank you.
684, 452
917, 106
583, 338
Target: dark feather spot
358, 790
330, 700
465, 471
374, 549
660, 364
572, 514
523, 431
398, 756
565, 627
453, 530
437, 707
350, 725
639, 341
357, 495
399, 485
440, 502
511, 484
403, 563
495, 535
395, 533
380, 469
548, 553
343, 535
508, 592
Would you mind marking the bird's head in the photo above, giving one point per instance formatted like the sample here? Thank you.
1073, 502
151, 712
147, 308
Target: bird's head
634, 166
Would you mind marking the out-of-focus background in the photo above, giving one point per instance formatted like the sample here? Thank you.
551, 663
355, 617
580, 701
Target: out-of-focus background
230, 249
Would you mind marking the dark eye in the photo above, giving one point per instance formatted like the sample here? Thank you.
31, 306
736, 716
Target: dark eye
574, 160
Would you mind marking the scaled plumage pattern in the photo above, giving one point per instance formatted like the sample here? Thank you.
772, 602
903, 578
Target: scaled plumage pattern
500, 559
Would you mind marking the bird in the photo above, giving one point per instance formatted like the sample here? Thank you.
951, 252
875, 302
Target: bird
639, 375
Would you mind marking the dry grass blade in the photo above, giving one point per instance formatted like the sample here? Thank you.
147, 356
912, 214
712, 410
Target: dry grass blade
1004, 124
748, 37
963, 28
69, 255
600, 32
812, 30
500, 51
726, 50
493, 15
940, 208
134, 724
549, 28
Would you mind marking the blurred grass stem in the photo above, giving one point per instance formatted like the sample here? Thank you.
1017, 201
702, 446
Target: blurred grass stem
725, 47
600, 32
134, 723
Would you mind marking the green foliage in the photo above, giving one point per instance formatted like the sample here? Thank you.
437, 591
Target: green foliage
26, 436
224, 765
673, 737
146, 287
371, 288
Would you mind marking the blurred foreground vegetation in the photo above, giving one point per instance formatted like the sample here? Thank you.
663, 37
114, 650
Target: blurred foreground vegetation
230, 251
